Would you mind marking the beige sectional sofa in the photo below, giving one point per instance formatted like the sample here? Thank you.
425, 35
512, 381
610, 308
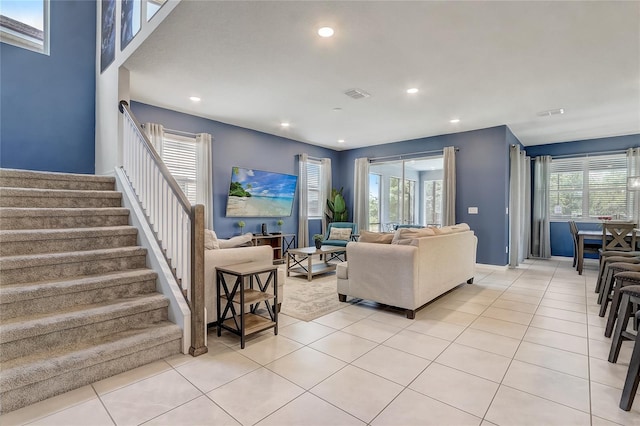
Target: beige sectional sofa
418, 266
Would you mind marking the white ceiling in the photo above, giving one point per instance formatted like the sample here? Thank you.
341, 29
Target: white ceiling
258, 63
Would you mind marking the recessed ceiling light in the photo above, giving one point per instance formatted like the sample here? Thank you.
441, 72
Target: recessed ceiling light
412, 90
325, 32
194, 98
337, 109
454, 121
284, 124
340, 140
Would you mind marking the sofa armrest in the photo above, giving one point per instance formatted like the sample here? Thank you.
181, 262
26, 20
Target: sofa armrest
383, 272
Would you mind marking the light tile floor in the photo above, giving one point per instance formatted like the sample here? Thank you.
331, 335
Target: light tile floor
518, 347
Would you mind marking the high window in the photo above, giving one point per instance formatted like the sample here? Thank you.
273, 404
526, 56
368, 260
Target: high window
179, 155
314, 178
589, 187
25, 24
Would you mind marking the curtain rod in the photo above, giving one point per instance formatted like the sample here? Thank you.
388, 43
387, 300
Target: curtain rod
311, 157
410, 154
593, 154
177, 132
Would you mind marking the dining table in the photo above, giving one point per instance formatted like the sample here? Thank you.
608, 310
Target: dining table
589, 235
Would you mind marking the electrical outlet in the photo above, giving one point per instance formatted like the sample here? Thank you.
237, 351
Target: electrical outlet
472, 210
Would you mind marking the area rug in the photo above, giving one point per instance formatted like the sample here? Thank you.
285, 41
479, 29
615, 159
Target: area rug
308, 300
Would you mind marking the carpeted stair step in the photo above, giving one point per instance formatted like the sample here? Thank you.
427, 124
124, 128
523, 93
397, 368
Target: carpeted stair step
31, 379
29, 241
50, 218
22, 336
54, 266
29, 197
51, 296
49, 180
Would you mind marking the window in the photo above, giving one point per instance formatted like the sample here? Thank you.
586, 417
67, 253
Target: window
433, 202
314, 178
588, 187
375, 196
179, 155
25, 24
397, 194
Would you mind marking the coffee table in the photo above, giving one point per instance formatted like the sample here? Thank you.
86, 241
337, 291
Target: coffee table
297, 256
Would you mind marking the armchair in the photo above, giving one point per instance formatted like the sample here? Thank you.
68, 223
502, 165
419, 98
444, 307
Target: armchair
341, 243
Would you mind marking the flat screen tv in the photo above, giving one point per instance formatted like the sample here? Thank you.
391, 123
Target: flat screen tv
256, 193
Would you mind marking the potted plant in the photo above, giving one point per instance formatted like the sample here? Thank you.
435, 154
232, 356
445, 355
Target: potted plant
337, 206
280, 222
241, 224
317, 239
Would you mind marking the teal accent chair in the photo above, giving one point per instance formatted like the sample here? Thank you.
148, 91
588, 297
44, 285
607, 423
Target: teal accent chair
341, 243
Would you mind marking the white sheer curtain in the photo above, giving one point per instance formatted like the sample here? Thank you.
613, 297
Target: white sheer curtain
303, 213
633, 169
361, 193
519, 215
204, 177
449, 187
541, 235
325, 190
155, 133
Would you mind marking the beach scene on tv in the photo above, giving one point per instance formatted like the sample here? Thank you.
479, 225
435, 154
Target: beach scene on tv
254, 193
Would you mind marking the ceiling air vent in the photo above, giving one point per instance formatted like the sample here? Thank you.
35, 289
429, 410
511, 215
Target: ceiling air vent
357, 93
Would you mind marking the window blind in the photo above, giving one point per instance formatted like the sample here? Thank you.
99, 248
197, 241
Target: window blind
588, 187
315, 205
179, 155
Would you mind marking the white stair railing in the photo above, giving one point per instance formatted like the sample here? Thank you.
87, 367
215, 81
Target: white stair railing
178, 226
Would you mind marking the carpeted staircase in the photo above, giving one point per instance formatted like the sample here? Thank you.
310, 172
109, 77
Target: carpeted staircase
77, 302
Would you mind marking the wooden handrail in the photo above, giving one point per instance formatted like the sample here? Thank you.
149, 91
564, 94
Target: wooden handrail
173, 185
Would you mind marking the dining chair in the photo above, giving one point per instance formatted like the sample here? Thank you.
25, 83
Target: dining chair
587, 247
621, 280
619, 236
605, 257
622, 264
628, 309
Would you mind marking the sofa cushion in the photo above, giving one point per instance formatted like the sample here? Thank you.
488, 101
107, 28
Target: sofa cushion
237, 241
451, 229
405, 235
340, 234
210, 240
376, 237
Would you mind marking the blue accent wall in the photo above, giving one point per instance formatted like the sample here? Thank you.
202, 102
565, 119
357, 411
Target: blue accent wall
237, 146
561, 240
482, 176
48, 102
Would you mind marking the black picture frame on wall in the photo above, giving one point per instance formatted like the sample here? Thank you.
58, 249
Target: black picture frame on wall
108, 34
130, 21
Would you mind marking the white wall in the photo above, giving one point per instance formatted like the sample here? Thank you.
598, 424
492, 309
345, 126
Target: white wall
112, 85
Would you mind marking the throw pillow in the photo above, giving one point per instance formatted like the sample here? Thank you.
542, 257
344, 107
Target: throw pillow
376, 237
340, 234
403, 234
237, 241
210, 240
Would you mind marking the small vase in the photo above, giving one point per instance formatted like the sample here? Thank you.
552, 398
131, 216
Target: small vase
318, 244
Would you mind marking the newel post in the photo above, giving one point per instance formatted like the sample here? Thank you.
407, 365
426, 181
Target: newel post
197, 281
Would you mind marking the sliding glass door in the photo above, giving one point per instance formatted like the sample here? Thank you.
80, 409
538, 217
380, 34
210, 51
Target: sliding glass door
405, 192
